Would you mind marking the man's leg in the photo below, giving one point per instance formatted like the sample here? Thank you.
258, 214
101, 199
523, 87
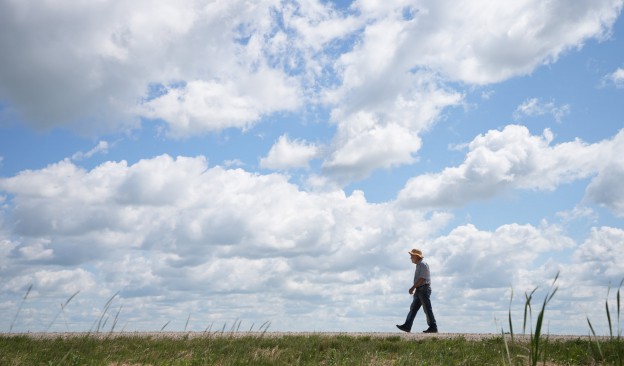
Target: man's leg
409, 321
425, 298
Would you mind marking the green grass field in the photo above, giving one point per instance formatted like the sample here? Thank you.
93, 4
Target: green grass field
295, 349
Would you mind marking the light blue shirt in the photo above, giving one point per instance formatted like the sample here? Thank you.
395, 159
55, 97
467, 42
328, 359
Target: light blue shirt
422, 271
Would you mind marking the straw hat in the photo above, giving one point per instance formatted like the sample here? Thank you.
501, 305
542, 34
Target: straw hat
416, 252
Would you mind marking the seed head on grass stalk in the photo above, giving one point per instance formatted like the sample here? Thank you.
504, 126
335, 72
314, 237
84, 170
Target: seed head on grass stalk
208, 328
165, 326
235, 326
266, 326
104, 311
115, 320
187, 322
61, 311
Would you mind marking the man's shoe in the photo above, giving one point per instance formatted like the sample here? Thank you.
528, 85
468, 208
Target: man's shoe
431, 330
403, 328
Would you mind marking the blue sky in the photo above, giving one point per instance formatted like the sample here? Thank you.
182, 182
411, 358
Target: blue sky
275, 162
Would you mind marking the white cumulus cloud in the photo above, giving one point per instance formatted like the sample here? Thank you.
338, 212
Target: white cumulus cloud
106, 57
513, 158
286, 154
486, 41
212, 106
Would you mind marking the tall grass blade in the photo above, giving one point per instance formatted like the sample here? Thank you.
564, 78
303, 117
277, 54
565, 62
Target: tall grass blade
535, 340
165, 326
187, 322
527, 309
509, 317
104, 311
62, 309
620, 347
104, 322
618, 307
266, 326
609, 318
20, 307
54, 319
115, 320
591, 327
507, 347
232, 328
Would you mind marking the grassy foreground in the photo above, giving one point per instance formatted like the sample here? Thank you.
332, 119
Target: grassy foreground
291, 350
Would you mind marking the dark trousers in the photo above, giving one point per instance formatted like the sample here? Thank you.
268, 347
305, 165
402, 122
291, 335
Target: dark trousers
422, 297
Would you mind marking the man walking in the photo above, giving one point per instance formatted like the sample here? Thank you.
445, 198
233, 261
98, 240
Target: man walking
422, 294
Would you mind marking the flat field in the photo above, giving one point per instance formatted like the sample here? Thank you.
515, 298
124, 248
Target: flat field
275, 348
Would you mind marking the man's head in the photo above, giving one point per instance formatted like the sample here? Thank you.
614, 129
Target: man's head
416, 255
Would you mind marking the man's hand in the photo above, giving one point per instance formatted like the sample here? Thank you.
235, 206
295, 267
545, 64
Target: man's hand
411, 290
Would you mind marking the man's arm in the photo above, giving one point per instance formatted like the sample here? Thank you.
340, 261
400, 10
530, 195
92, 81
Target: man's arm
418, 282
